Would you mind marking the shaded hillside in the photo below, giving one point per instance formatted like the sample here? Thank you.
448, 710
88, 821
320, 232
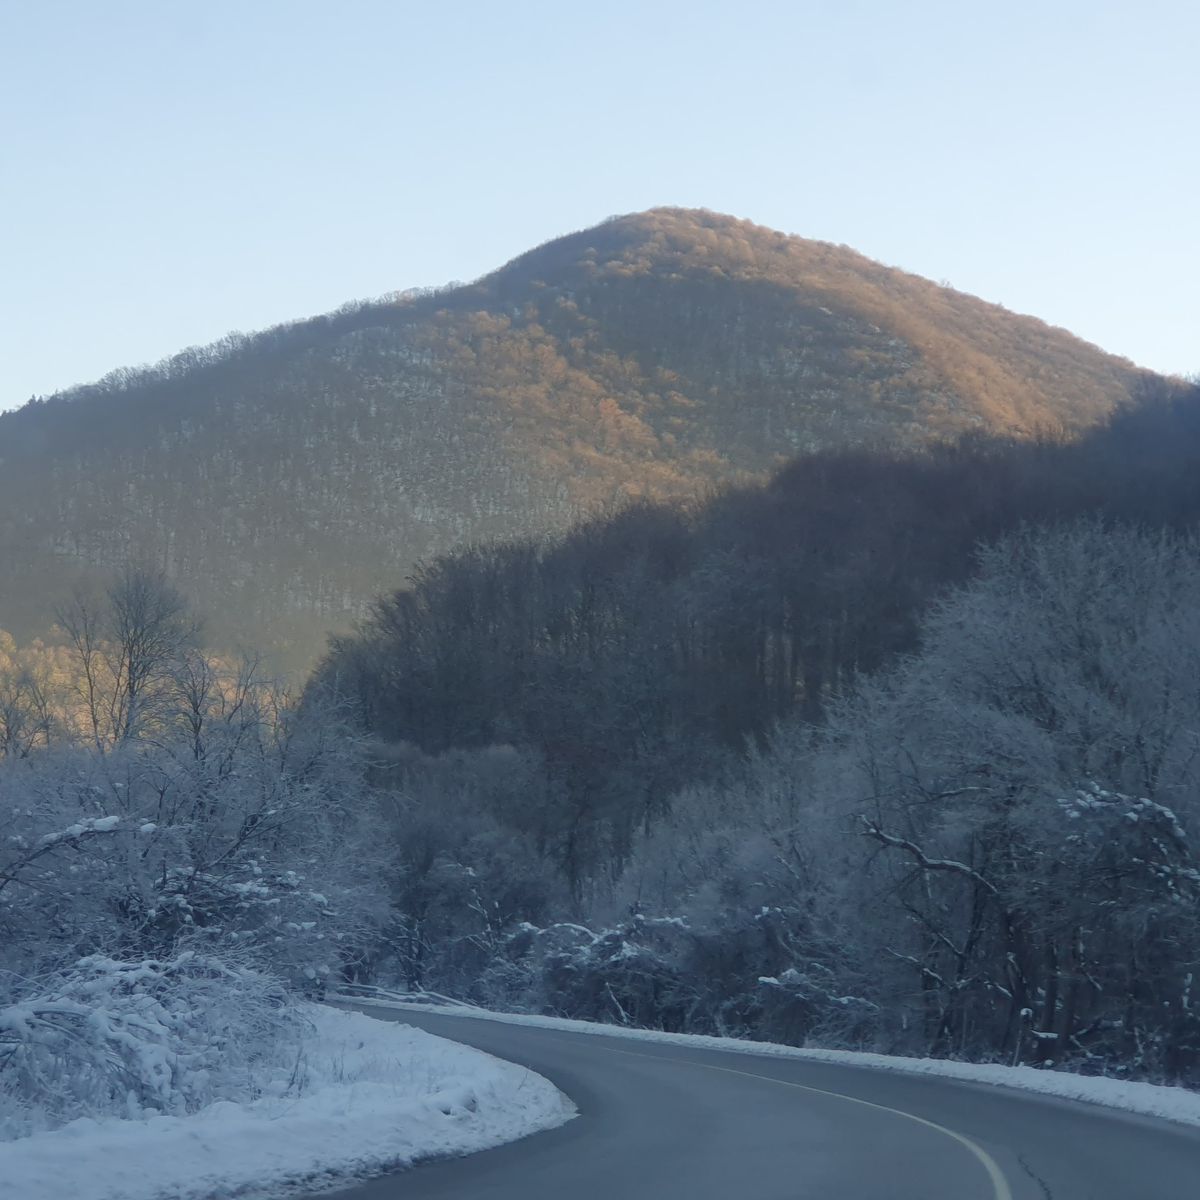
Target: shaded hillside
623, 792
284, 478
628, 658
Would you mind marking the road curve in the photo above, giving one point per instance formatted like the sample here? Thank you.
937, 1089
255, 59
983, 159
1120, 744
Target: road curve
670, 1122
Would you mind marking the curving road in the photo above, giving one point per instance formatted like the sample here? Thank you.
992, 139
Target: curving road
667, 1122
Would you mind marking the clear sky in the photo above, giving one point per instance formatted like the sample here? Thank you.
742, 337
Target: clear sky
172, 171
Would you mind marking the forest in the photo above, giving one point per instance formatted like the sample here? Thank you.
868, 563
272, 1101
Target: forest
896, 751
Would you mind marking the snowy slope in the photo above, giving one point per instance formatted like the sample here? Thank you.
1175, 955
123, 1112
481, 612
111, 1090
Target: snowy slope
379, 1096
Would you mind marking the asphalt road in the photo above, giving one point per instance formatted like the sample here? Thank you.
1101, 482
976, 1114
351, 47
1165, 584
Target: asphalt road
667, 1122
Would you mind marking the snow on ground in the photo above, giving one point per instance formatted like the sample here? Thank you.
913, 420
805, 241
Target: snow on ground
1146, 1099
378, 1096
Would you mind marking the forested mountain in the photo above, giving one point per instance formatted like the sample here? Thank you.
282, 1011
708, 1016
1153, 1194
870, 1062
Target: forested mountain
282, 479
897, 750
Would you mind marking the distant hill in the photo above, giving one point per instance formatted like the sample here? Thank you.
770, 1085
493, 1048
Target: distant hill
286, 477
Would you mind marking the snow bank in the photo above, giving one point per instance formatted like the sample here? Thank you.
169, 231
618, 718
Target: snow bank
370, 1096
1146, 1099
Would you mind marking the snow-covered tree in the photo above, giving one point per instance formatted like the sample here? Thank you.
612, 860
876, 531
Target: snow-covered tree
1031, 779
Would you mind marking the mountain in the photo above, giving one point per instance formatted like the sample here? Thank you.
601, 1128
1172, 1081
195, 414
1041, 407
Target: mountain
284, 478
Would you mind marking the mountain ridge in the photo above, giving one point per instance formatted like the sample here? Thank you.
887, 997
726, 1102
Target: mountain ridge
287, 476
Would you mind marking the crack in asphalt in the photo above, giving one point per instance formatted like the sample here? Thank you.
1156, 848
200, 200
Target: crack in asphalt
1049, 1195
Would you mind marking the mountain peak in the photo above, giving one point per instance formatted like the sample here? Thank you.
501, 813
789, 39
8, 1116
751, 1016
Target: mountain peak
991, 368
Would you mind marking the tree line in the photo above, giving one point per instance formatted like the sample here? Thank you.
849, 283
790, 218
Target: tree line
631, 655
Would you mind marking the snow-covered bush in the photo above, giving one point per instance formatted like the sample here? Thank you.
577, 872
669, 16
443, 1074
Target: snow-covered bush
134, 1037
249, 833
631, 974
176, 848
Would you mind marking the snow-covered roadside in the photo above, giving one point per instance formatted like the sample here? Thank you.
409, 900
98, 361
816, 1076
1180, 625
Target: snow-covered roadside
1145, 1099
378, 1096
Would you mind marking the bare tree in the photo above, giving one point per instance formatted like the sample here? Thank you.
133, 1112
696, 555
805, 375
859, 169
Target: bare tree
26, 721
129, 649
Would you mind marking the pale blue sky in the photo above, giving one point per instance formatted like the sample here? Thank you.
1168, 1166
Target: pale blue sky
174, 170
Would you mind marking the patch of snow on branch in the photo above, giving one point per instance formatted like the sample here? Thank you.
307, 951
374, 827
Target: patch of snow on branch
374, 1096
